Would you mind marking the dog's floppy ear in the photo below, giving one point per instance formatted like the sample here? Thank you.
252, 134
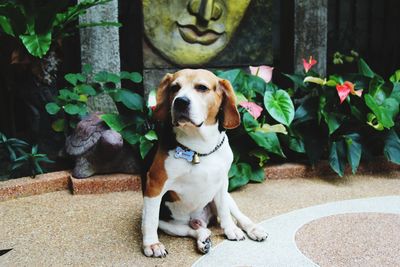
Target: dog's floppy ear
231, 117
162, 107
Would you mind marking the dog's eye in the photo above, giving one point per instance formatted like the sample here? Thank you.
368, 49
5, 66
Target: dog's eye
175, 87
201, 88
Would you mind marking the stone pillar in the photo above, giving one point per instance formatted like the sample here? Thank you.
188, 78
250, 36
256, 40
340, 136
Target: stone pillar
311, 33
100, 45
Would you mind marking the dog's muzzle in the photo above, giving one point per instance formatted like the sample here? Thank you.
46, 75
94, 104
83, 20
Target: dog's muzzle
181, 104
181, 110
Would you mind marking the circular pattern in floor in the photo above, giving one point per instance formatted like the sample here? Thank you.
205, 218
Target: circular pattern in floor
321, 228
355, 239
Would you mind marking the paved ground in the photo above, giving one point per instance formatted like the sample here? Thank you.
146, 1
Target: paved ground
355, 239
58, 229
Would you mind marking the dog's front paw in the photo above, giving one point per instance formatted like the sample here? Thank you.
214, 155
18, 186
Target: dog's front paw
257, 233
203, 241
204, 246
234, 233
155, 250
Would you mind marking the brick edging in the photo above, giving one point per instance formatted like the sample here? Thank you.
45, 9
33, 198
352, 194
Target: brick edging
27, 186
297, 170
107, 183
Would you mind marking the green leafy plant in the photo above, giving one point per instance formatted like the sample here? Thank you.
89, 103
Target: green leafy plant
19, 158
131, 118
266, 111
37, 24
340, 118
345, 118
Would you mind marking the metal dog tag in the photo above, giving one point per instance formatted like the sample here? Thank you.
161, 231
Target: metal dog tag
180, 153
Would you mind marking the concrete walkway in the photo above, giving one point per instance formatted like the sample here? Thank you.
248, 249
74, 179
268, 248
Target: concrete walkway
59, 229
281, 248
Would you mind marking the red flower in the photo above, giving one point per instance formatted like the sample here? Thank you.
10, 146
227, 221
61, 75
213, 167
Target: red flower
254, 109
345, 89
308, 64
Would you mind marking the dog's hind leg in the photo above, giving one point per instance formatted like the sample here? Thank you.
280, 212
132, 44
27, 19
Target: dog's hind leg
202, 218
201, 234
254, 231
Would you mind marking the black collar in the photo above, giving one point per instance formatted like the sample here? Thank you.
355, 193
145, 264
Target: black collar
184, 152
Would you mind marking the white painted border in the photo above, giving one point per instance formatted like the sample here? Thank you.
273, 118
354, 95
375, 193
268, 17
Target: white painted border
280, 248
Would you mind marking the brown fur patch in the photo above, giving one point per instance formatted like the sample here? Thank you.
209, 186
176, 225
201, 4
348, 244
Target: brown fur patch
214, 106
173, 196
163, 104
157, 175
231, 114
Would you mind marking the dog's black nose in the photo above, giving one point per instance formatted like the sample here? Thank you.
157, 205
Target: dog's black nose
181, 103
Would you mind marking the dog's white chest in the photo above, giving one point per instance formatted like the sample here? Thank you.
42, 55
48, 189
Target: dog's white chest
197, 184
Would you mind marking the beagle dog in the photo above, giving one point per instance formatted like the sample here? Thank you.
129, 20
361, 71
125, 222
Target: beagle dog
187, 183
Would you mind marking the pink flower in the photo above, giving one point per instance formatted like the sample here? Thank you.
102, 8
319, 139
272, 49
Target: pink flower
345, 89
308, 64
254, 109
264, 72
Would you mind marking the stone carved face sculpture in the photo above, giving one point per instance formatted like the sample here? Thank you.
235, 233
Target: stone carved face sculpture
191, 32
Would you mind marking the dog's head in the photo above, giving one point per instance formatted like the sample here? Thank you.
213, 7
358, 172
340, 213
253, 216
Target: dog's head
194, 98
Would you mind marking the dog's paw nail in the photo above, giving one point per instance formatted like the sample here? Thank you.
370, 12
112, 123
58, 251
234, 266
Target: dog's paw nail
204, 246
155, 250
235, 234
257, 234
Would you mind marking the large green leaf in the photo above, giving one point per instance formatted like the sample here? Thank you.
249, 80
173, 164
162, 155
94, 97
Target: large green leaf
86, 89
376, 90
135, 77
395, 78
392, 147
6, 25
52, 108
151, 135
337, 157
354, 150
296, 144
240, 175
73, 78
249, 122
333, 120
257, 175
269, 141
37, 45
279, 106
131, 100
386, 112
130, 136
396, 91
229, 75
297, 79
105, 77
72, 109
256, 84
145, 146
364, 69
115, 121
307, 111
